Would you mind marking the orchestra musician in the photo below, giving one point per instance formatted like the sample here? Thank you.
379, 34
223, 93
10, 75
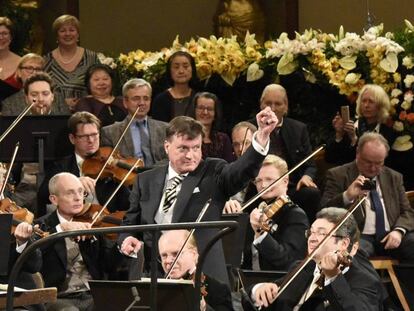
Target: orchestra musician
217, 294
341, 287
84, 136
201, 180
68, 263
285, 242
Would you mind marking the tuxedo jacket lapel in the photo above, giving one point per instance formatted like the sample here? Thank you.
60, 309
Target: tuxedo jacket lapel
157, 189
187, 188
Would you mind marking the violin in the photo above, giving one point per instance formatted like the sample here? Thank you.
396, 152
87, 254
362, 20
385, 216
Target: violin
271, 210
20, 215
203, 283
117, 167
100, 217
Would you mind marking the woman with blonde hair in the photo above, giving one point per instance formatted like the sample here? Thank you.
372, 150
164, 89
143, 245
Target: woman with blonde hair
68, 63
372, 112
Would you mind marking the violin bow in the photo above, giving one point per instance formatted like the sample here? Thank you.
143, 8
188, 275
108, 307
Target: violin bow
269, 187
17, 120
96, 217
116, 145
6, 177
302, 265
200, 216
244, 140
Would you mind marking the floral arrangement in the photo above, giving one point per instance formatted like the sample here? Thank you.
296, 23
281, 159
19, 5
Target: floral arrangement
346, 61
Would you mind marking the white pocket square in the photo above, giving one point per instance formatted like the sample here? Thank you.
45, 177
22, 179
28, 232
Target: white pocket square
196, 190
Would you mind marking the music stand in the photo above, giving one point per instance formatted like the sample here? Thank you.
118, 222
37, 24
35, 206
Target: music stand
251, 277
135, 295
233, 243
42, 138
5, 236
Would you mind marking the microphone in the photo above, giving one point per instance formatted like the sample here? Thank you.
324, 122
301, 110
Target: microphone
135, 293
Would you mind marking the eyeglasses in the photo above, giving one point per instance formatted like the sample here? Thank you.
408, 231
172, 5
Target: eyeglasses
31, 69
86, 137
203, 108
320, 234
259, 181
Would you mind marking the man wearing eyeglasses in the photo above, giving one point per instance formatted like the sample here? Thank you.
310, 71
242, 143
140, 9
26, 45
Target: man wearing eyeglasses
145, 137
69, 264
386, 219
325, 283
273, 243
84, 136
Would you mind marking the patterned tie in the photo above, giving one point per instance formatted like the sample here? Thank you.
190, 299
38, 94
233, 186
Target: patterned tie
171, 193
379, 214
145, 144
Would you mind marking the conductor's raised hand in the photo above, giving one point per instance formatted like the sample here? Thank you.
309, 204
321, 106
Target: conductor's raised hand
266, 121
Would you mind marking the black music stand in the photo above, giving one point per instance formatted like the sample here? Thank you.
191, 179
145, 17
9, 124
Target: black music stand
5, 236
42, 138
251, 277
233, 243
135, 295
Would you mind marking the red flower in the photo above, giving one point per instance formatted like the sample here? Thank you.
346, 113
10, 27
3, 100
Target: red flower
410, 117
403, 115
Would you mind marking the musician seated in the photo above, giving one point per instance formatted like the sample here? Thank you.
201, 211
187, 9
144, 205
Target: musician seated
273, 243
342, 287
216, 295
84, 136
68, 264
22, 237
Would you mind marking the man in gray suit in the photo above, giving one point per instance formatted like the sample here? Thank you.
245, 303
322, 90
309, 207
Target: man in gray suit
145, 137
386, 218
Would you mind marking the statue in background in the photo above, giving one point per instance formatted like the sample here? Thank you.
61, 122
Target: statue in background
37, 35
236, 17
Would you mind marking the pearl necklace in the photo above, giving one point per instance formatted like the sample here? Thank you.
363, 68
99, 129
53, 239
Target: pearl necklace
67, 62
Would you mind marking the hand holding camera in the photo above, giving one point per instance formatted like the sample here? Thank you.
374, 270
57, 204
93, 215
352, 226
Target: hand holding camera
360, 186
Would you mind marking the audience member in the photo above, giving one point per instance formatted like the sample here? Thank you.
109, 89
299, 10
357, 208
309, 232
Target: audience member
208, 112
101, 102
145, 137
386, 219
176, 101
8, 60
68, 63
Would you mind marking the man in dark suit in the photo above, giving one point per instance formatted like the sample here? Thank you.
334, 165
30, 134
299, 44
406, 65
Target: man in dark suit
68, 264
177, 192
341, 288
145, 137
284, 242
386, 220
84, 136
218, 295
290, 141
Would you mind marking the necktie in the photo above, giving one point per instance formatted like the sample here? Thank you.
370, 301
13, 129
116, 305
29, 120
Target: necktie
379, 214
145, 144
171, 193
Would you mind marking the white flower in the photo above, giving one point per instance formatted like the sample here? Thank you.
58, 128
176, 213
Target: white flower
402, 143
286, 64
398, 126
408, 25
408, 96
348, 62
406, 105
409, 79
352, 78
394, 101
254, 72
390, 62
408, 62
109, 61
396, 92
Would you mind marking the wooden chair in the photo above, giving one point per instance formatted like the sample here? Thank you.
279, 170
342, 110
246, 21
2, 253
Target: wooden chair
386, 263
410, 196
